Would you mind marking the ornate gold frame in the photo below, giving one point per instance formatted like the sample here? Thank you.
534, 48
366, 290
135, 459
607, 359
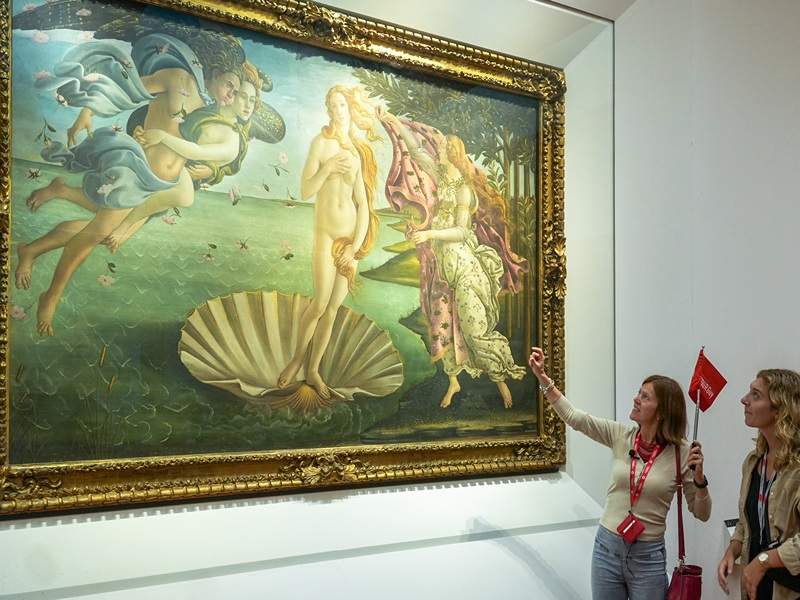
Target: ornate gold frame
80, 485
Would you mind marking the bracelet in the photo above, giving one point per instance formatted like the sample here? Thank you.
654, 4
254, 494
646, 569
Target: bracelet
702, 486
546, 388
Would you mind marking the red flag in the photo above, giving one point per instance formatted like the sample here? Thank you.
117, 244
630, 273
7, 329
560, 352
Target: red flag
706, 383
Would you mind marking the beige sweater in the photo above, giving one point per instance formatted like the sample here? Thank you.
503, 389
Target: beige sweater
784, 520
652, 506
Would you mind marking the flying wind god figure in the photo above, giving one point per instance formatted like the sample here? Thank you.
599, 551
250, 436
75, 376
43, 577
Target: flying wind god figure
197, 104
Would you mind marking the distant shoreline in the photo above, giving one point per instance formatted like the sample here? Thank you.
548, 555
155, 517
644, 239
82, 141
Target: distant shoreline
385, 212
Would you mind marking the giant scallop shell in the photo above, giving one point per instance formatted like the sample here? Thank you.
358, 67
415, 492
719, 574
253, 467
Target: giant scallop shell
241, 343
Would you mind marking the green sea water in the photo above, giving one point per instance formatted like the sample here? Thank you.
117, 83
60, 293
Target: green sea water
142, 401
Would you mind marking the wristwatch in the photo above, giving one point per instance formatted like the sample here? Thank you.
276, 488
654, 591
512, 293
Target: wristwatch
763, 560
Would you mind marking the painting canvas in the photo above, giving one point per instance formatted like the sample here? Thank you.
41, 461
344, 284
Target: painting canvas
234, 244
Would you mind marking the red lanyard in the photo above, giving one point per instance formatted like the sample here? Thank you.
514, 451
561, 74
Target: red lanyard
636, 487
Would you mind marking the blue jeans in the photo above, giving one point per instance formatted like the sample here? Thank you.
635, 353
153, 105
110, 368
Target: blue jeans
623, 571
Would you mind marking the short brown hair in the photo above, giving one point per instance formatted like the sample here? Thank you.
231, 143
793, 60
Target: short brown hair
671, 409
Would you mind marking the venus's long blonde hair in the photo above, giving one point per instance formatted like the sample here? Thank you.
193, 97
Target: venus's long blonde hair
783, 386
361, 118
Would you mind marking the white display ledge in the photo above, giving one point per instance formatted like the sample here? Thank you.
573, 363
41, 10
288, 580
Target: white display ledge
111, 552
551, 565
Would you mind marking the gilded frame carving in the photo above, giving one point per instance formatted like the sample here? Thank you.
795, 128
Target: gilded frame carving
32, 488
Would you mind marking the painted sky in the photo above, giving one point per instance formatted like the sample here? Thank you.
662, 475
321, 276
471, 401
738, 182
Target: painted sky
301, 78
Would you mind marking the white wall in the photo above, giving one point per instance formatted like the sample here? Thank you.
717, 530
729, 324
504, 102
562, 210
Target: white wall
707, 147
518, 536
589, 218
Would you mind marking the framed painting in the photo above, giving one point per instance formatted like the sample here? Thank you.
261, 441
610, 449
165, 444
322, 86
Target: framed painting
267, 246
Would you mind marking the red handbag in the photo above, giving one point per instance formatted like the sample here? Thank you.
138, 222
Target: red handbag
687, 580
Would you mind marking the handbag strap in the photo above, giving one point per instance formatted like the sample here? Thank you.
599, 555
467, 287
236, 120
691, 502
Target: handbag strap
679, 483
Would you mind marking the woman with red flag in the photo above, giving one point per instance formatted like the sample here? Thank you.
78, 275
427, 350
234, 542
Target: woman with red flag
629, 559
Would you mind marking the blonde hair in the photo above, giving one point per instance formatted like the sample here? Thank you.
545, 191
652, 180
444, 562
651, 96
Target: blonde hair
783, 386
475, 177
361, 118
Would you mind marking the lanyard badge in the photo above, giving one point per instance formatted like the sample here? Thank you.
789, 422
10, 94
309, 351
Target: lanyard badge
631, 528
764, 487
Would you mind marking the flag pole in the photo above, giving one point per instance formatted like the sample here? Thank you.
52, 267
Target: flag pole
696, 422
697, 406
